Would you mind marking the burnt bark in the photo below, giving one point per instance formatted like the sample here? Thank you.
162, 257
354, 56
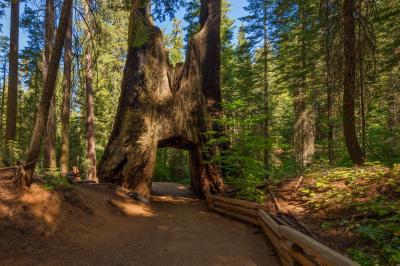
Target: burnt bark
50, 160
12, 97
165, 107
66, 102
26, 171
349, 40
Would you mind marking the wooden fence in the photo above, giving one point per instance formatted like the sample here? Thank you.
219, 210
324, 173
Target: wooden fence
292, 246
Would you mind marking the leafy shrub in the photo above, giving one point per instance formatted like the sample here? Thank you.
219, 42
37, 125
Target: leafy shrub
55, 180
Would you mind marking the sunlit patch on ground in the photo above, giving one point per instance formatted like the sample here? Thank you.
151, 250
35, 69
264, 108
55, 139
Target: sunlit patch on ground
131, 208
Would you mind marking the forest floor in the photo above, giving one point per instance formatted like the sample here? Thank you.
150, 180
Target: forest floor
353, 210
100, 225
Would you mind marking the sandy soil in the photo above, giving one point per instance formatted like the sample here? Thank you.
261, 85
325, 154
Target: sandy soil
95, 225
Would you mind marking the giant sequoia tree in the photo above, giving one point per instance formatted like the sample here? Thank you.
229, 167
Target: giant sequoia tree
163, 106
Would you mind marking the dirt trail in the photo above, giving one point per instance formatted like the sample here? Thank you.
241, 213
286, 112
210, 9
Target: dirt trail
97, 226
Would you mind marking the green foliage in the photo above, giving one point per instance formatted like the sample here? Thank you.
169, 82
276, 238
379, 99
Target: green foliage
342, 186
54, 181
139, 32
174, 43
369, 192
172, 166
362, 258
14, 152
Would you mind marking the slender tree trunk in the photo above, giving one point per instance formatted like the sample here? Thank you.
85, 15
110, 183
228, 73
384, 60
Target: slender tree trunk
12, 98
329, 79
331, 155
363, 124
304, 138
266, 132
27, 170
363, 117
66, 103
349, 40
90, 119
3, 96
50, 160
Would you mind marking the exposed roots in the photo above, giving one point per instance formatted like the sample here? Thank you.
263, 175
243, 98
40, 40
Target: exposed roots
23, 175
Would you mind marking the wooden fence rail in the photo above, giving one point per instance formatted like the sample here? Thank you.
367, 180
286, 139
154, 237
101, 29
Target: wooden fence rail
292, 246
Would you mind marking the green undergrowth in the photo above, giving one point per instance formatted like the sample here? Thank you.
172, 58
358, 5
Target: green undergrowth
248, 188
366, 202
163, 175
55, 180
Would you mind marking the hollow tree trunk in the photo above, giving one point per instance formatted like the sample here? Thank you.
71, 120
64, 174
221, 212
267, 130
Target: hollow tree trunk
12, 97
165, 107
50, 160
26, 173
349, 128
66, 103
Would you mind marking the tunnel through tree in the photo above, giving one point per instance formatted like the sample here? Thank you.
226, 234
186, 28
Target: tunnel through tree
165, 106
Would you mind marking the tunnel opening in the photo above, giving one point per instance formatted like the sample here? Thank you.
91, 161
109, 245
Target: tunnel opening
172, 166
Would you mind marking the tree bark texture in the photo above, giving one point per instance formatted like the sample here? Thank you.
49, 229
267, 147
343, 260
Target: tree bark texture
66, 102
50, 156
12, 98
165, 107
349, 40
90, 118
304, 136
25, 178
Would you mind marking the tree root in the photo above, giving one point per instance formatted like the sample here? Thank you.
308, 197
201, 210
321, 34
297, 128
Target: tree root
21, 177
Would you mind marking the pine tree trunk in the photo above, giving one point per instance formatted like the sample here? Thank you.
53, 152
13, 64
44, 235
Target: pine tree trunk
266, 94
90, 118
362, 83
3, 93
304, 138
331, 155
27, 170
160, 107
11, 127
50, 160
66, 102
329, 80
349, 40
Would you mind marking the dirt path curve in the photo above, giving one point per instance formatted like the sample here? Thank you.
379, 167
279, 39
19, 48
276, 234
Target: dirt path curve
176, 229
